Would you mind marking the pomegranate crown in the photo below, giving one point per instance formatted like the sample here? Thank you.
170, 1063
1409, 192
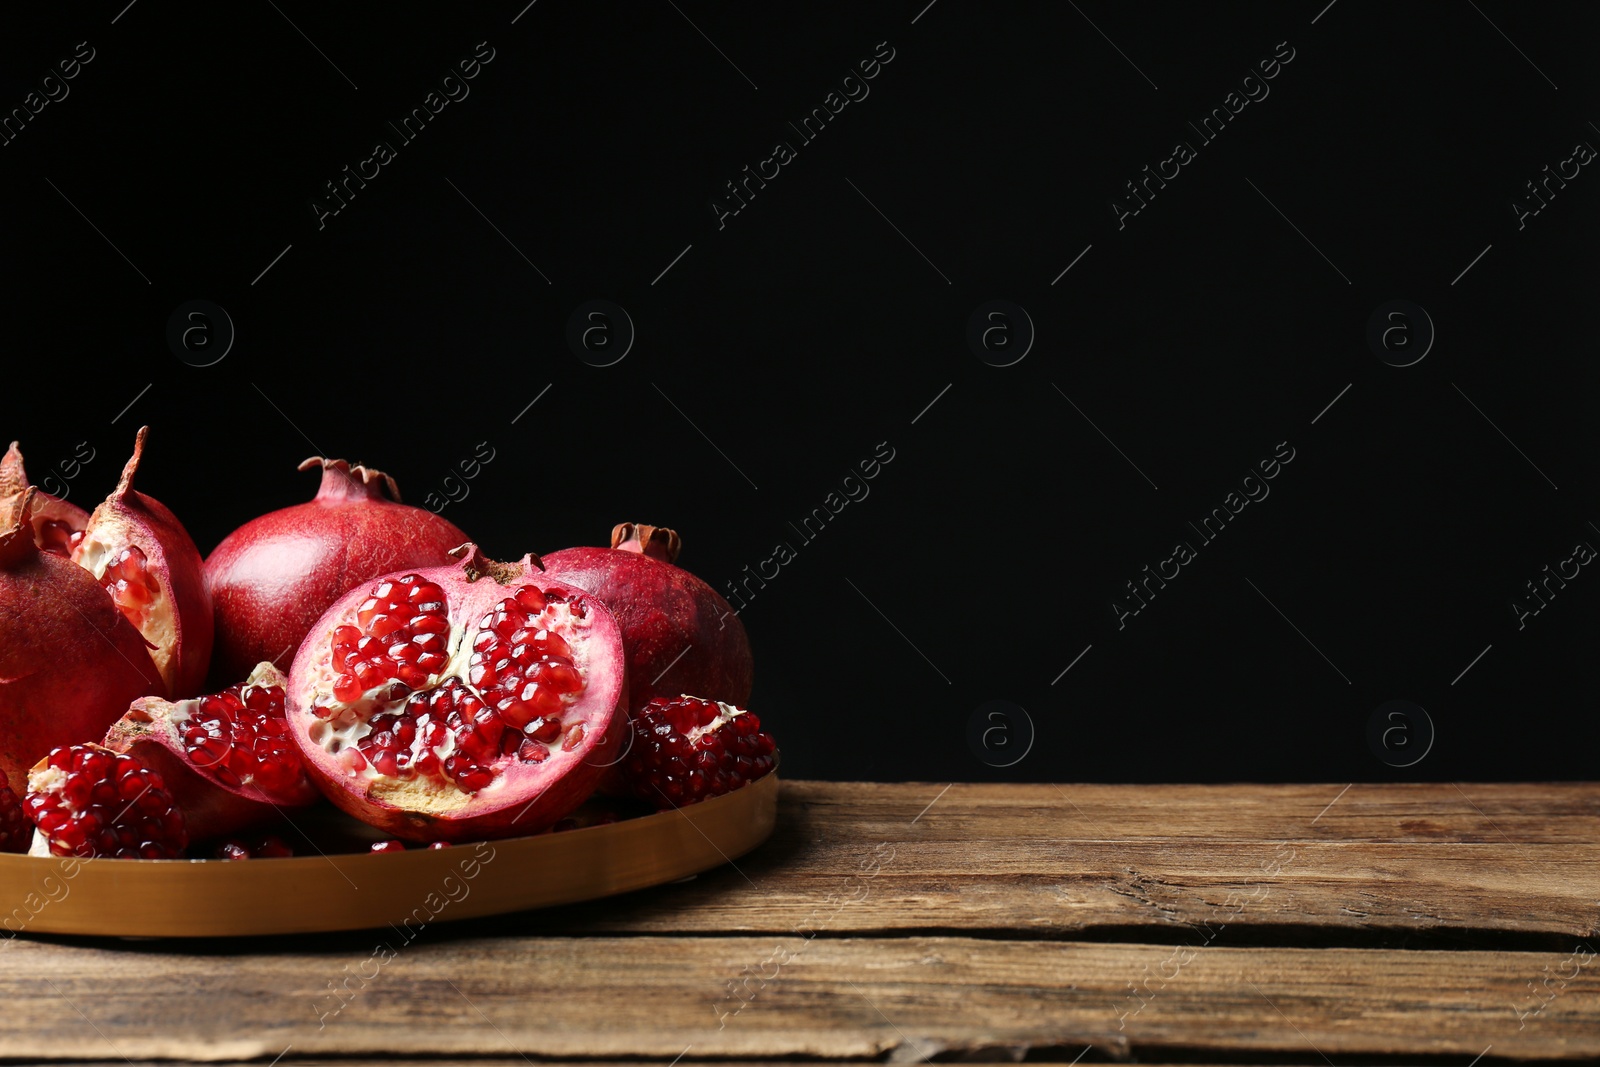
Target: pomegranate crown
129, 469
477, 565
13, 479
16, 540
341, 481
657, 542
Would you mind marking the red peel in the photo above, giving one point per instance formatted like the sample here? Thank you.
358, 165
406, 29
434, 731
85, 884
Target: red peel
274, 576
149, 564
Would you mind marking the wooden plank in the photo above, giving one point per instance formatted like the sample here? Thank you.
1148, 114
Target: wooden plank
853, 998
1497, 865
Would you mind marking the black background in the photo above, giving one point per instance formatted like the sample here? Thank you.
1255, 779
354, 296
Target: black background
808, 330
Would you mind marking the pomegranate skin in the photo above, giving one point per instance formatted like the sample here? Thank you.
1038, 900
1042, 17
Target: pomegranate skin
274, 576
211, 807
533, 797
46, 508
663, 610
69, 662
129, 517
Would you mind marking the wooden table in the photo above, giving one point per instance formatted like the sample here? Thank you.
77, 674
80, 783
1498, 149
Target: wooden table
1262, 924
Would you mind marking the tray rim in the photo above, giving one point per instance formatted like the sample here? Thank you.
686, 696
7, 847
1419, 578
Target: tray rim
551, 869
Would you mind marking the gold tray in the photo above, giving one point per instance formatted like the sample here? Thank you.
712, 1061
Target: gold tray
355, 891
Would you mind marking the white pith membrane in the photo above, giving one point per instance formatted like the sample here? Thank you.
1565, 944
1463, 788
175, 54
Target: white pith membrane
726, 713
46, 779
156, 621
348, 722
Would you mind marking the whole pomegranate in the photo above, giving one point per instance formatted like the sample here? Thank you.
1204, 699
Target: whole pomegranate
146, 560
226, 758
272, 577
460, 702
54, 520
70, 663
681, 636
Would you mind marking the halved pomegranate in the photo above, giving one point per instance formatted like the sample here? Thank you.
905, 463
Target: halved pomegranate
461, 702
146, 560
54, 520
227, 758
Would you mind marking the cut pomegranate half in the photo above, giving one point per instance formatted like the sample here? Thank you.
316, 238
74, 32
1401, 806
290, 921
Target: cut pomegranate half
460, 702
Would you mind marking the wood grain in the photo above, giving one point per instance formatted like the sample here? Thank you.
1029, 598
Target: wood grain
897, 922
1496, 865
903, 998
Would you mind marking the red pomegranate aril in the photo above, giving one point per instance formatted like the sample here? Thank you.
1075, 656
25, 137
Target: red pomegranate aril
387, 846
130, 583
91, 802
269, 847
56, 536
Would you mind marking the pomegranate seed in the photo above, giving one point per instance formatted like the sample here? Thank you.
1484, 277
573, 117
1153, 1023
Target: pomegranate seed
439, 844
269, 847
56, 537
388, 846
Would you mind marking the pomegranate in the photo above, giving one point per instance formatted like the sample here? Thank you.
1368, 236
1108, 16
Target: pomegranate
54, 520
680, 635
69, 662
274, 576
15, 832
460, 702
149, 564
89, 801
686, 749
226, 758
